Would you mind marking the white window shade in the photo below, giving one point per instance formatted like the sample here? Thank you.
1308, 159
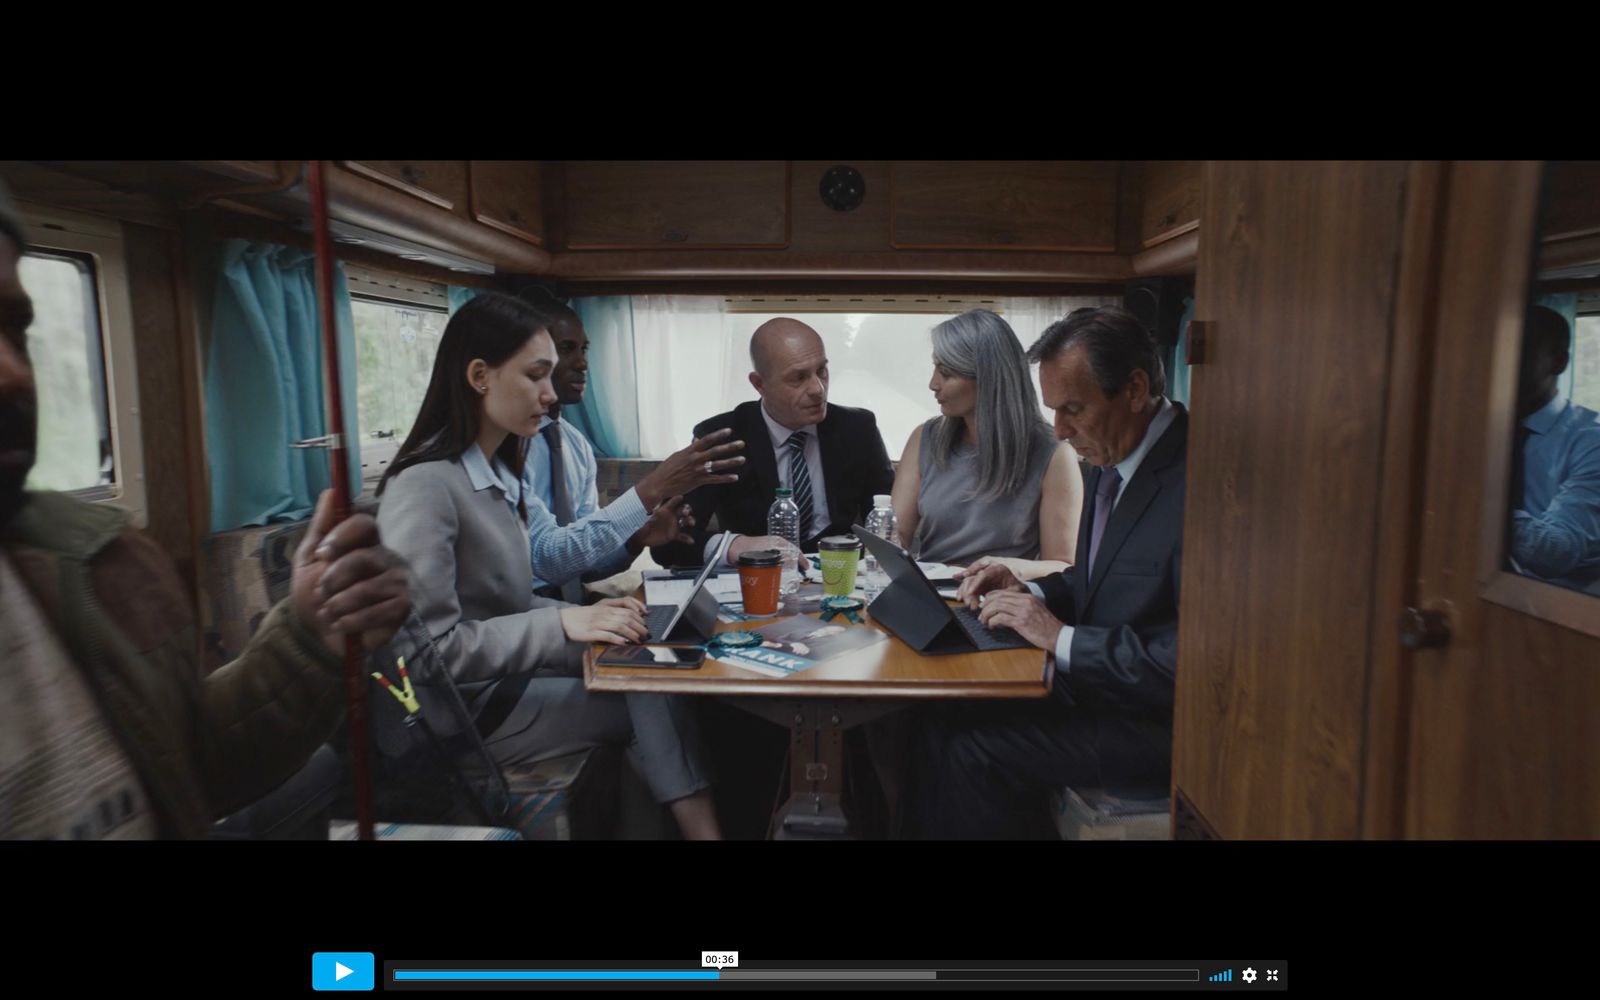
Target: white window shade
693, 354
684, 359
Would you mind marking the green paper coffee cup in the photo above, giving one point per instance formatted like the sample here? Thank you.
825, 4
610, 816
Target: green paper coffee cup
839, 555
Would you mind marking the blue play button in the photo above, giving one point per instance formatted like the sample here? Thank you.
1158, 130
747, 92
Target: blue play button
342, 970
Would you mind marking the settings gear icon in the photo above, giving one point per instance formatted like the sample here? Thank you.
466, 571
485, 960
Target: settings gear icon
1249, 975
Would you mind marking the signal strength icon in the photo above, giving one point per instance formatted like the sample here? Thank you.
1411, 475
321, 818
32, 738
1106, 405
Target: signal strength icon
1223, 977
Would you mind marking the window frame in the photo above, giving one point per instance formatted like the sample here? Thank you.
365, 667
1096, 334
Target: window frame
389, 289
78, 234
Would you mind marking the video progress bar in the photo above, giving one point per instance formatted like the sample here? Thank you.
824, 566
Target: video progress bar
538, 975
801, 975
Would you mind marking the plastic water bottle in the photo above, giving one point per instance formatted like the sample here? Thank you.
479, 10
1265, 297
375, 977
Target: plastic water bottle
881, 523
783, 521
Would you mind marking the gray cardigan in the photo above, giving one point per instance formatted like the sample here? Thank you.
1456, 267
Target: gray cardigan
472, 583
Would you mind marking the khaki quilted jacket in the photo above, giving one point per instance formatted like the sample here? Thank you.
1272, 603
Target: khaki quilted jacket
203, 746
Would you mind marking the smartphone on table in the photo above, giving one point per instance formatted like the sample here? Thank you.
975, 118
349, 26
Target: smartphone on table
653, 657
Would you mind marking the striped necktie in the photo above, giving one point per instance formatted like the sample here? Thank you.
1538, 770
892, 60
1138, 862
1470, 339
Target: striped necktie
800, 481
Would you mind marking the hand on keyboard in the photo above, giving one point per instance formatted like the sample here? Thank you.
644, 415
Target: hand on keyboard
604, 622
656, 620
1024, 613
986, 638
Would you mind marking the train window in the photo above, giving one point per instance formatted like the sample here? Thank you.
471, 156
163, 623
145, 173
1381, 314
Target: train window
1586, 362
64, 345
396, 340
879, 354
1553, 483
81, 349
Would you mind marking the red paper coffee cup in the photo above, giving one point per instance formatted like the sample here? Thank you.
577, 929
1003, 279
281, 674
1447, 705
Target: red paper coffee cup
760, 577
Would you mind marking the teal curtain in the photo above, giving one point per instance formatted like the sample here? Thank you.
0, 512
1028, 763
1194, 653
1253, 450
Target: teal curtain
264, 385
609, 416
1565, 303
460, 296
1178, 383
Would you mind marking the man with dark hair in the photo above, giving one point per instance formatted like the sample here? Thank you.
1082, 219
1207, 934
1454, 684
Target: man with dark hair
561, 470
111, 731
1555, 516
1110, 620
560, 482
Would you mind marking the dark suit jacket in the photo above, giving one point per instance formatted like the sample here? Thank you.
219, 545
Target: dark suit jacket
1125, 647
855, 466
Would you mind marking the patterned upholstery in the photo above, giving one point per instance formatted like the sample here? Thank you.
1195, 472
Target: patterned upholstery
565, 798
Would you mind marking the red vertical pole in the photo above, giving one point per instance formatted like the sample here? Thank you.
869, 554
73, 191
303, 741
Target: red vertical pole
354, 658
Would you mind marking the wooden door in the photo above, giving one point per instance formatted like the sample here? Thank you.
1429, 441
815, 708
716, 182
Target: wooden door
1298, 276
1502, 728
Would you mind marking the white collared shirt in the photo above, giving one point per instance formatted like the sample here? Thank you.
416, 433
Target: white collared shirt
484, 472
820, 517
1165, 414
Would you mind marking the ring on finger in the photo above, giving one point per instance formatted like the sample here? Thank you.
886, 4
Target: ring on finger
708, 466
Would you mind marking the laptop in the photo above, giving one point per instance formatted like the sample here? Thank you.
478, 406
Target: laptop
693, 620
912, 609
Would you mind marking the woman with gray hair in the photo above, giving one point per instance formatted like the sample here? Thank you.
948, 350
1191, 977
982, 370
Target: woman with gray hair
987, 477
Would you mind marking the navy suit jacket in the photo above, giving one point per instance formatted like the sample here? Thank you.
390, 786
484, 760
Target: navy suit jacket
1125, 615
855, 467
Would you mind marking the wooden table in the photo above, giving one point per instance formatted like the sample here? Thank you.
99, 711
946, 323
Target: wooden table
820, 704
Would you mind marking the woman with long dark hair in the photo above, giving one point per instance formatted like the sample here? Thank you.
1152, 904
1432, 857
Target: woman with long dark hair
452, 506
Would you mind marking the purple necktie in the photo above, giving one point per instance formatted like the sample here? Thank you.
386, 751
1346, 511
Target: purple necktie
1105, 496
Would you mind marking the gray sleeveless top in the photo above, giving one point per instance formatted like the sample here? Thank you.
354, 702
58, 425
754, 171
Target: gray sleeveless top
955, 527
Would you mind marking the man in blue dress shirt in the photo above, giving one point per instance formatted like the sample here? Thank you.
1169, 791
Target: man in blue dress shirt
571, 538
1555, 505
572, 494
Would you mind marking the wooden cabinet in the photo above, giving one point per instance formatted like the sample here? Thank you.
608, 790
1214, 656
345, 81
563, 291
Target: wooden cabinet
441, 182
508, 195
713, 204
817, 228
1012, 205
1171, 200
1570, 206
